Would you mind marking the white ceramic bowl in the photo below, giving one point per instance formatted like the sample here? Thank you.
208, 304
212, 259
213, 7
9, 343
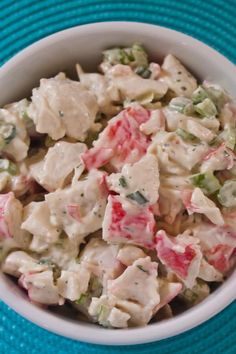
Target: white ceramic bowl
84, 44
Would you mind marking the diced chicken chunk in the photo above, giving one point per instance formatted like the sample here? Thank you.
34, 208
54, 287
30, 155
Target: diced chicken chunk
79, 209
37, 222
63, 252
104, 311
139, 315
196, 202
11, 211
128, 254
118, 318
40, 287
141, 176
129, 287
58, 164
104, 90
227, 116
168, 291
19, 262
208, 273
71, 284
100, 258
177, 77
133, 86
63, 107
142, 274
17, 143
17, 149
173, 151
170, 204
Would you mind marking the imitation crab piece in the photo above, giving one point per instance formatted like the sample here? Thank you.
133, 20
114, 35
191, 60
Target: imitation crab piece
196, 202
218, 244
219, 159
219, 256
97, 157
155, 123
120, 142
125, 222
181, 256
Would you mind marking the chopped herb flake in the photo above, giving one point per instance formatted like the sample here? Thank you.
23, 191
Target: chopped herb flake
123, 182
137, 197
142, 269
44, 261
143, 72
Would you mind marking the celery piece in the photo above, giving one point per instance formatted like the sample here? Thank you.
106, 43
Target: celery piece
227, 194
206, 181
206, 108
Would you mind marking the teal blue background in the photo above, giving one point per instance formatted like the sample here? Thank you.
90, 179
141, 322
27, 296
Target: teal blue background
23, 22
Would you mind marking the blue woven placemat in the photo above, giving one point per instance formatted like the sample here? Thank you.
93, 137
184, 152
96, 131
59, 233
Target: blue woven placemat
22, 22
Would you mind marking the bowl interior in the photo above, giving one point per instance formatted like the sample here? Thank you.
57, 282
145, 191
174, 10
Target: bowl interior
84, 44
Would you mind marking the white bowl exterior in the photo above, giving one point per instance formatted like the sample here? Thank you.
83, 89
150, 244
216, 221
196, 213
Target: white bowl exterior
84, 44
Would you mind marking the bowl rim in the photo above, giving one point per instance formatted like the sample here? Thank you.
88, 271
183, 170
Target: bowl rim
95, 334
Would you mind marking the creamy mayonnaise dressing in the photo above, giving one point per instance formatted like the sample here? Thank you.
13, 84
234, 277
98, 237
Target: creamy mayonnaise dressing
118, 191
